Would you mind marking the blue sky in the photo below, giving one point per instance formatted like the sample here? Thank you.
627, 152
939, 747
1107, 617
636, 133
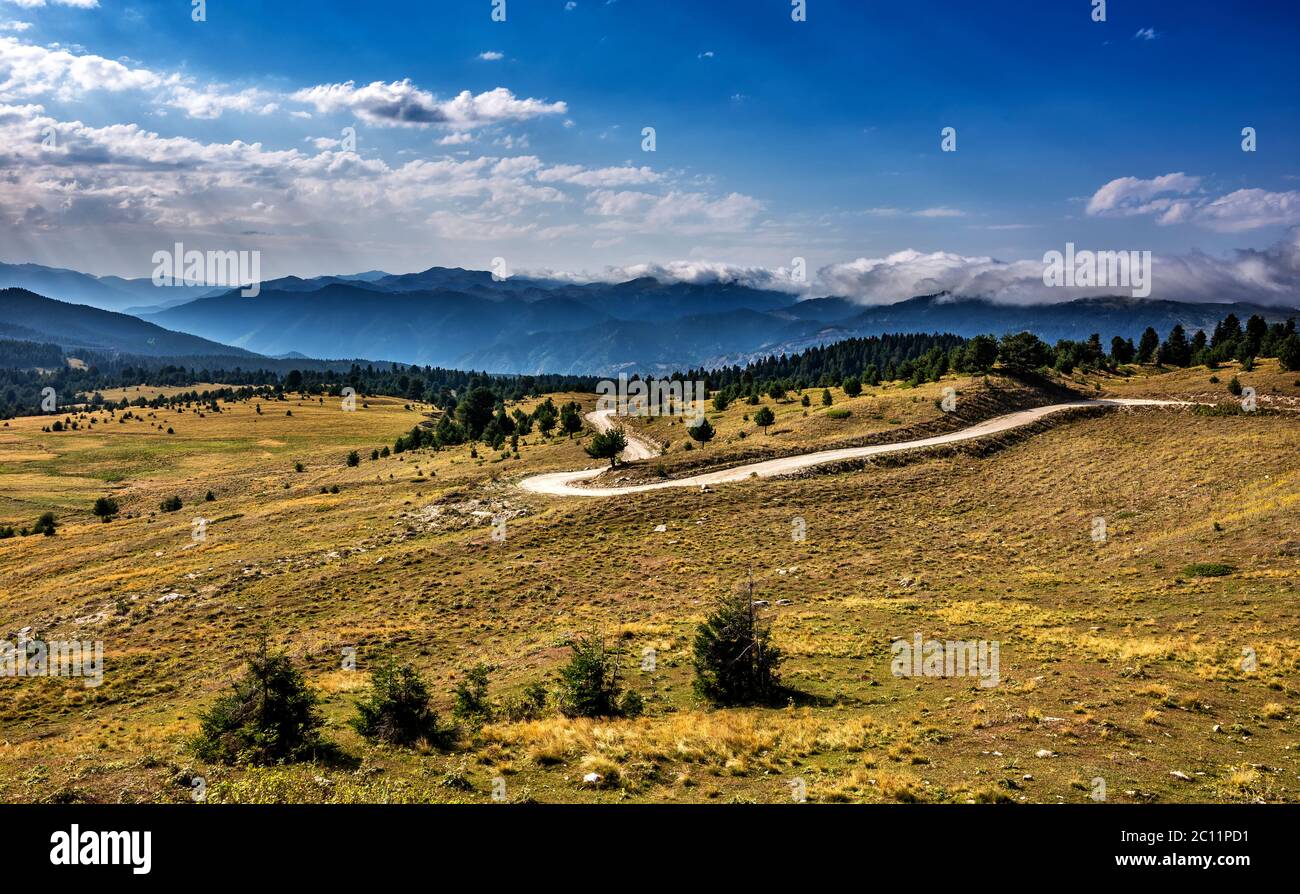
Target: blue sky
775, 139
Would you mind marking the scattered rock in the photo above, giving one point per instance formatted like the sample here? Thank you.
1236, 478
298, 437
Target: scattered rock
659, 529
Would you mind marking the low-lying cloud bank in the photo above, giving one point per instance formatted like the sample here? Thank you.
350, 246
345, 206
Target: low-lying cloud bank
1269, 276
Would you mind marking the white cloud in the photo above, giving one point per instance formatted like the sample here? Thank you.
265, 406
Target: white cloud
599, 177
1146, 34
1131, 195
937, 212
1269, 276
210, 103
1174, 199
35, 4
686, 212
402, 104
27, 70
491, 56
15, 26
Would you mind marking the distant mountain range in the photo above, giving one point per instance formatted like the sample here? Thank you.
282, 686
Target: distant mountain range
466, 319
30, 317
103, 292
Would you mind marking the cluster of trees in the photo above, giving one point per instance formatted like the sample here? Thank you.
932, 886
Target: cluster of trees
918, 358
272, 716
1230, 340
45, 525
481, 416
28, 367
912, 356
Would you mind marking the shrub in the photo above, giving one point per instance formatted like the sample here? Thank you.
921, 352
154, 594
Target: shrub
827, 400
105, 508
734, 662
631, 704
46, 524
528, 705
209, 497
396, 709
171, 504
701, 431
354, 458
270, 716
838, 414
1234, 387
607, 445
471, 704
589, 682
1209, 569
852, 386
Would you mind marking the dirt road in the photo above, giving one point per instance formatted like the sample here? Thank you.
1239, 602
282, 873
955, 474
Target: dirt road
566, 484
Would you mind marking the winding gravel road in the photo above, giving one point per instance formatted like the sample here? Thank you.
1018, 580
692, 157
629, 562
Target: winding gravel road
564, 484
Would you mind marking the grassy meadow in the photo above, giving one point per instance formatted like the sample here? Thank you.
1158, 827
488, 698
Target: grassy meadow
1121, 660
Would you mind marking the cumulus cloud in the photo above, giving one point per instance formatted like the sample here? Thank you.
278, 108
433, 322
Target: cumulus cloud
402, 104
491, 56
1270, 276
1178, 198
27, 71
1131, 195
211, 103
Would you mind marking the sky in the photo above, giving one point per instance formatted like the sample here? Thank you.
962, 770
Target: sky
341, 137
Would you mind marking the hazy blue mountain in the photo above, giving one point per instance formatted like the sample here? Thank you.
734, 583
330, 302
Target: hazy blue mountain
104, 292
439, 327
33, 317
466, 319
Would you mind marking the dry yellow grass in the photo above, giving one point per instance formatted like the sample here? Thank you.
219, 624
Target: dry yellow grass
1095, 636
